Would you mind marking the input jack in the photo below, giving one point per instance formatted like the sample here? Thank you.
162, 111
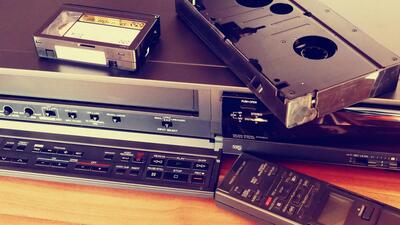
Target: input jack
7, 110
28, 112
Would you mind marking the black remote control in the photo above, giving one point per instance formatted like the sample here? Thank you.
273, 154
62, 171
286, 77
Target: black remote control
277, 195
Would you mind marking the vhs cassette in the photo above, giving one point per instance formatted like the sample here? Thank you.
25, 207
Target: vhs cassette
301, 59
98, 36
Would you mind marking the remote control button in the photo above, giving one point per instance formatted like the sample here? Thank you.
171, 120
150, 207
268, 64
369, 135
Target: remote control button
298, 197
306, 183
238, 190
291, 210
268, 202
278, 205
367, 214
310, 199
255, 181
257, 197
300, 214
250, 194
294, 179
284, 190
273, 171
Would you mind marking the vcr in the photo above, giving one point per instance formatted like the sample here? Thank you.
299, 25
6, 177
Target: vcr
359, 135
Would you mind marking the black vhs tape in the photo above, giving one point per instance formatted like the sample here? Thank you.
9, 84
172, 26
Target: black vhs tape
98, 36
301, 59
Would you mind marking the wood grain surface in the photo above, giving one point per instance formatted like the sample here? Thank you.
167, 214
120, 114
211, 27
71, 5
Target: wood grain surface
37, 202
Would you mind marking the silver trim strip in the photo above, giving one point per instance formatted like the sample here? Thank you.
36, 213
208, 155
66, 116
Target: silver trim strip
107, 134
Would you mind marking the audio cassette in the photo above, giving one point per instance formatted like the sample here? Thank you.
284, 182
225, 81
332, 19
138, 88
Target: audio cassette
98, 36
301, 59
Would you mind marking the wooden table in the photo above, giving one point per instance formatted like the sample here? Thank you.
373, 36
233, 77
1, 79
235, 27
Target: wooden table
36, 202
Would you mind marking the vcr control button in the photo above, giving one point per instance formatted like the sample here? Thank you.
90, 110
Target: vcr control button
48, 150
65, 152
37, 148
94, 117
157, 162
60, 164
139, 157
109, 156
120, 171
116, 119
19, 160
198, 179
4, 159
102, 169
200, 166
153, 174
21, 146
176, 176
72, 115
77, 153
82, 167
179, 163
42, 163
166, 124
8, 145
134, 173
126, 158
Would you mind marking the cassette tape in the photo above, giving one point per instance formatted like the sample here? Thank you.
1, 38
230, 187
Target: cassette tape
98, 36
301, 59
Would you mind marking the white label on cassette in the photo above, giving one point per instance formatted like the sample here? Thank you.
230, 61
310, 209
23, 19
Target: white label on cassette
102, 33
80, 55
